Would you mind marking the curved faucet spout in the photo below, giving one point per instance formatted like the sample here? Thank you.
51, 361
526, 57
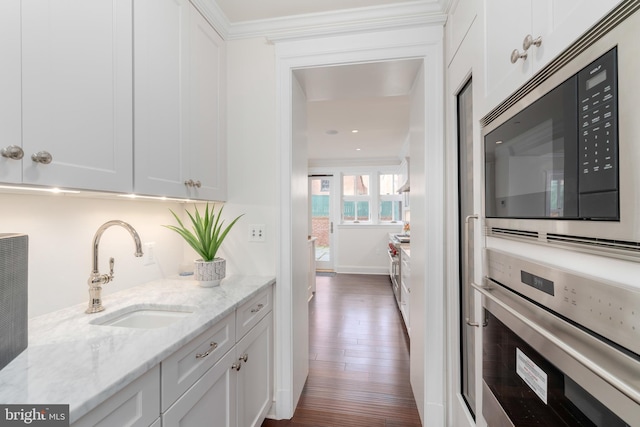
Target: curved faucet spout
103, 227
96, 280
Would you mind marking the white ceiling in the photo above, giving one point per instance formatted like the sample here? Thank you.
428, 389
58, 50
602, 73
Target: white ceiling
371, 98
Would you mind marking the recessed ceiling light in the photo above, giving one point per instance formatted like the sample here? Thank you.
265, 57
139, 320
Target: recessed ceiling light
358, 149
331, 132
354, 131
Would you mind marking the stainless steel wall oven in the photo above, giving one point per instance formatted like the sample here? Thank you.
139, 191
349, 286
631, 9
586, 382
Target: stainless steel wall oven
562, 155
559, 348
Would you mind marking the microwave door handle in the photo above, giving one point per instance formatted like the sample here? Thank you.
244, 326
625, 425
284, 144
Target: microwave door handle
467, 283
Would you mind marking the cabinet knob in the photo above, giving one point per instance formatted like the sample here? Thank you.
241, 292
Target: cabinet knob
516, 54
530, 41
189, 183
43, 157
244, 358
12, 152
236, 366
197, 184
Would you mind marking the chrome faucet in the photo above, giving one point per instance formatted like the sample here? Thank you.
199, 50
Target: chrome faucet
96, 280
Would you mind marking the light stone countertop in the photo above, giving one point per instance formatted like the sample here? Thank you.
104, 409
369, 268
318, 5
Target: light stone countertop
70, 361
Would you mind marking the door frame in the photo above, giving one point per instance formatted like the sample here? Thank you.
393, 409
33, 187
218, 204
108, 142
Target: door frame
421, 42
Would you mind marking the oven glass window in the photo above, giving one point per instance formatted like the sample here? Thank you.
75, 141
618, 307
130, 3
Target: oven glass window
531, 390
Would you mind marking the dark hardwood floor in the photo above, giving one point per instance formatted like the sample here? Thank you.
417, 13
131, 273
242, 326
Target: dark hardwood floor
359, 358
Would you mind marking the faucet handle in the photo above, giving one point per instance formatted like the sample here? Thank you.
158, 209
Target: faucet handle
111, 264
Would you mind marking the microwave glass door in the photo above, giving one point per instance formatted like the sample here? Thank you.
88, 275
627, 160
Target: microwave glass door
530, 160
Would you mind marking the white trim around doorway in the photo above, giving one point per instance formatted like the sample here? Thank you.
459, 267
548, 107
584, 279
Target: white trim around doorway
426, 43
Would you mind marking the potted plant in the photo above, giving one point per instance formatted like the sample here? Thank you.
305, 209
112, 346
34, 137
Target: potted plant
205, 237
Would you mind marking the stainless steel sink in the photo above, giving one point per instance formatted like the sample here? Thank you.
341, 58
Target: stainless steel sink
144, 316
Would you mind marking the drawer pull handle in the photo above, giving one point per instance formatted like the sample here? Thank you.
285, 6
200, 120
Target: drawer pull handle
257, 309
244, 358
212, 347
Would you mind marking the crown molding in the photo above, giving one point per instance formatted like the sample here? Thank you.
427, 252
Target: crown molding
400, 15
216, 17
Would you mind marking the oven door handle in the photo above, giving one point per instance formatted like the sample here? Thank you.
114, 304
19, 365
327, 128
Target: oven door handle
630, 392
469, 298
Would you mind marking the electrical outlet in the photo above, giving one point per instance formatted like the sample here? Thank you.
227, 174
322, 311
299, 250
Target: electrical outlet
257, 233
148, 258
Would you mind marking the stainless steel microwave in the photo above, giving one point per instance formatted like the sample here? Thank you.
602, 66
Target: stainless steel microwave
563, 159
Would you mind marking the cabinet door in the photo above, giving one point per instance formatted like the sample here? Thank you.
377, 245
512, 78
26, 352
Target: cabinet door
161, 113
562, 22
137, 405
211, 401
10, 100
207, 106
77, 93
506, 24
255, 378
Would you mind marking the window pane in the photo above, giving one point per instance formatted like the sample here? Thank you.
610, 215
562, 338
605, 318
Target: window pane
355, 185
388, 183
390, 210
363, 211
349, 211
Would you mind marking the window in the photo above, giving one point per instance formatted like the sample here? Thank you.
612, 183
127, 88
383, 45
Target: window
371, 198
390, 202
356, 198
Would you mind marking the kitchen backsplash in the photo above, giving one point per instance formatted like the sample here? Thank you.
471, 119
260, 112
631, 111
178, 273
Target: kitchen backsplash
61, 229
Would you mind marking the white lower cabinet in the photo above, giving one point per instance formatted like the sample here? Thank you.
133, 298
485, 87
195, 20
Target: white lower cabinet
255, 374
137, 405
222, 378
211, 401
405, 289
237, 390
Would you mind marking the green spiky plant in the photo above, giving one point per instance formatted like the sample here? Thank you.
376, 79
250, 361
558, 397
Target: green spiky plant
206, 234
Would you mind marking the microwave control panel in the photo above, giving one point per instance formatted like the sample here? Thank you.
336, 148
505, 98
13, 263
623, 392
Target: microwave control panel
598, 137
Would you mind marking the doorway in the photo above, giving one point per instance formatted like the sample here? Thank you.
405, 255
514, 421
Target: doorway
426, 44
321, 220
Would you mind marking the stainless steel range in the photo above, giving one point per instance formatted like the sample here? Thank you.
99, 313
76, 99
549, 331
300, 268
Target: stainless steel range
559, 348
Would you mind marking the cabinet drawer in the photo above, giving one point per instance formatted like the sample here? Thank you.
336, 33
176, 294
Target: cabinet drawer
185, 366
137, 405
251, 312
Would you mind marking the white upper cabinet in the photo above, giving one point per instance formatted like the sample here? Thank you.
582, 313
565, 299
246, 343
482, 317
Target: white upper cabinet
76, 93
557, 23
180, 72
10, 98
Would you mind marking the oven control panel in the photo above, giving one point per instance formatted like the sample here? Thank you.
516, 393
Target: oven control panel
609, 309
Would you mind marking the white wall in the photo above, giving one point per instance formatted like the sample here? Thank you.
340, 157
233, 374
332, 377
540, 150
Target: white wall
363, 249
252, 153
61, 230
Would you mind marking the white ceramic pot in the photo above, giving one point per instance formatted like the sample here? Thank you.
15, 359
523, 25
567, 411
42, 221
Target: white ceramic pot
209, 273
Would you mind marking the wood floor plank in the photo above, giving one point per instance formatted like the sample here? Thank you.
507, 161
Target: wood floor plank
358, 359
